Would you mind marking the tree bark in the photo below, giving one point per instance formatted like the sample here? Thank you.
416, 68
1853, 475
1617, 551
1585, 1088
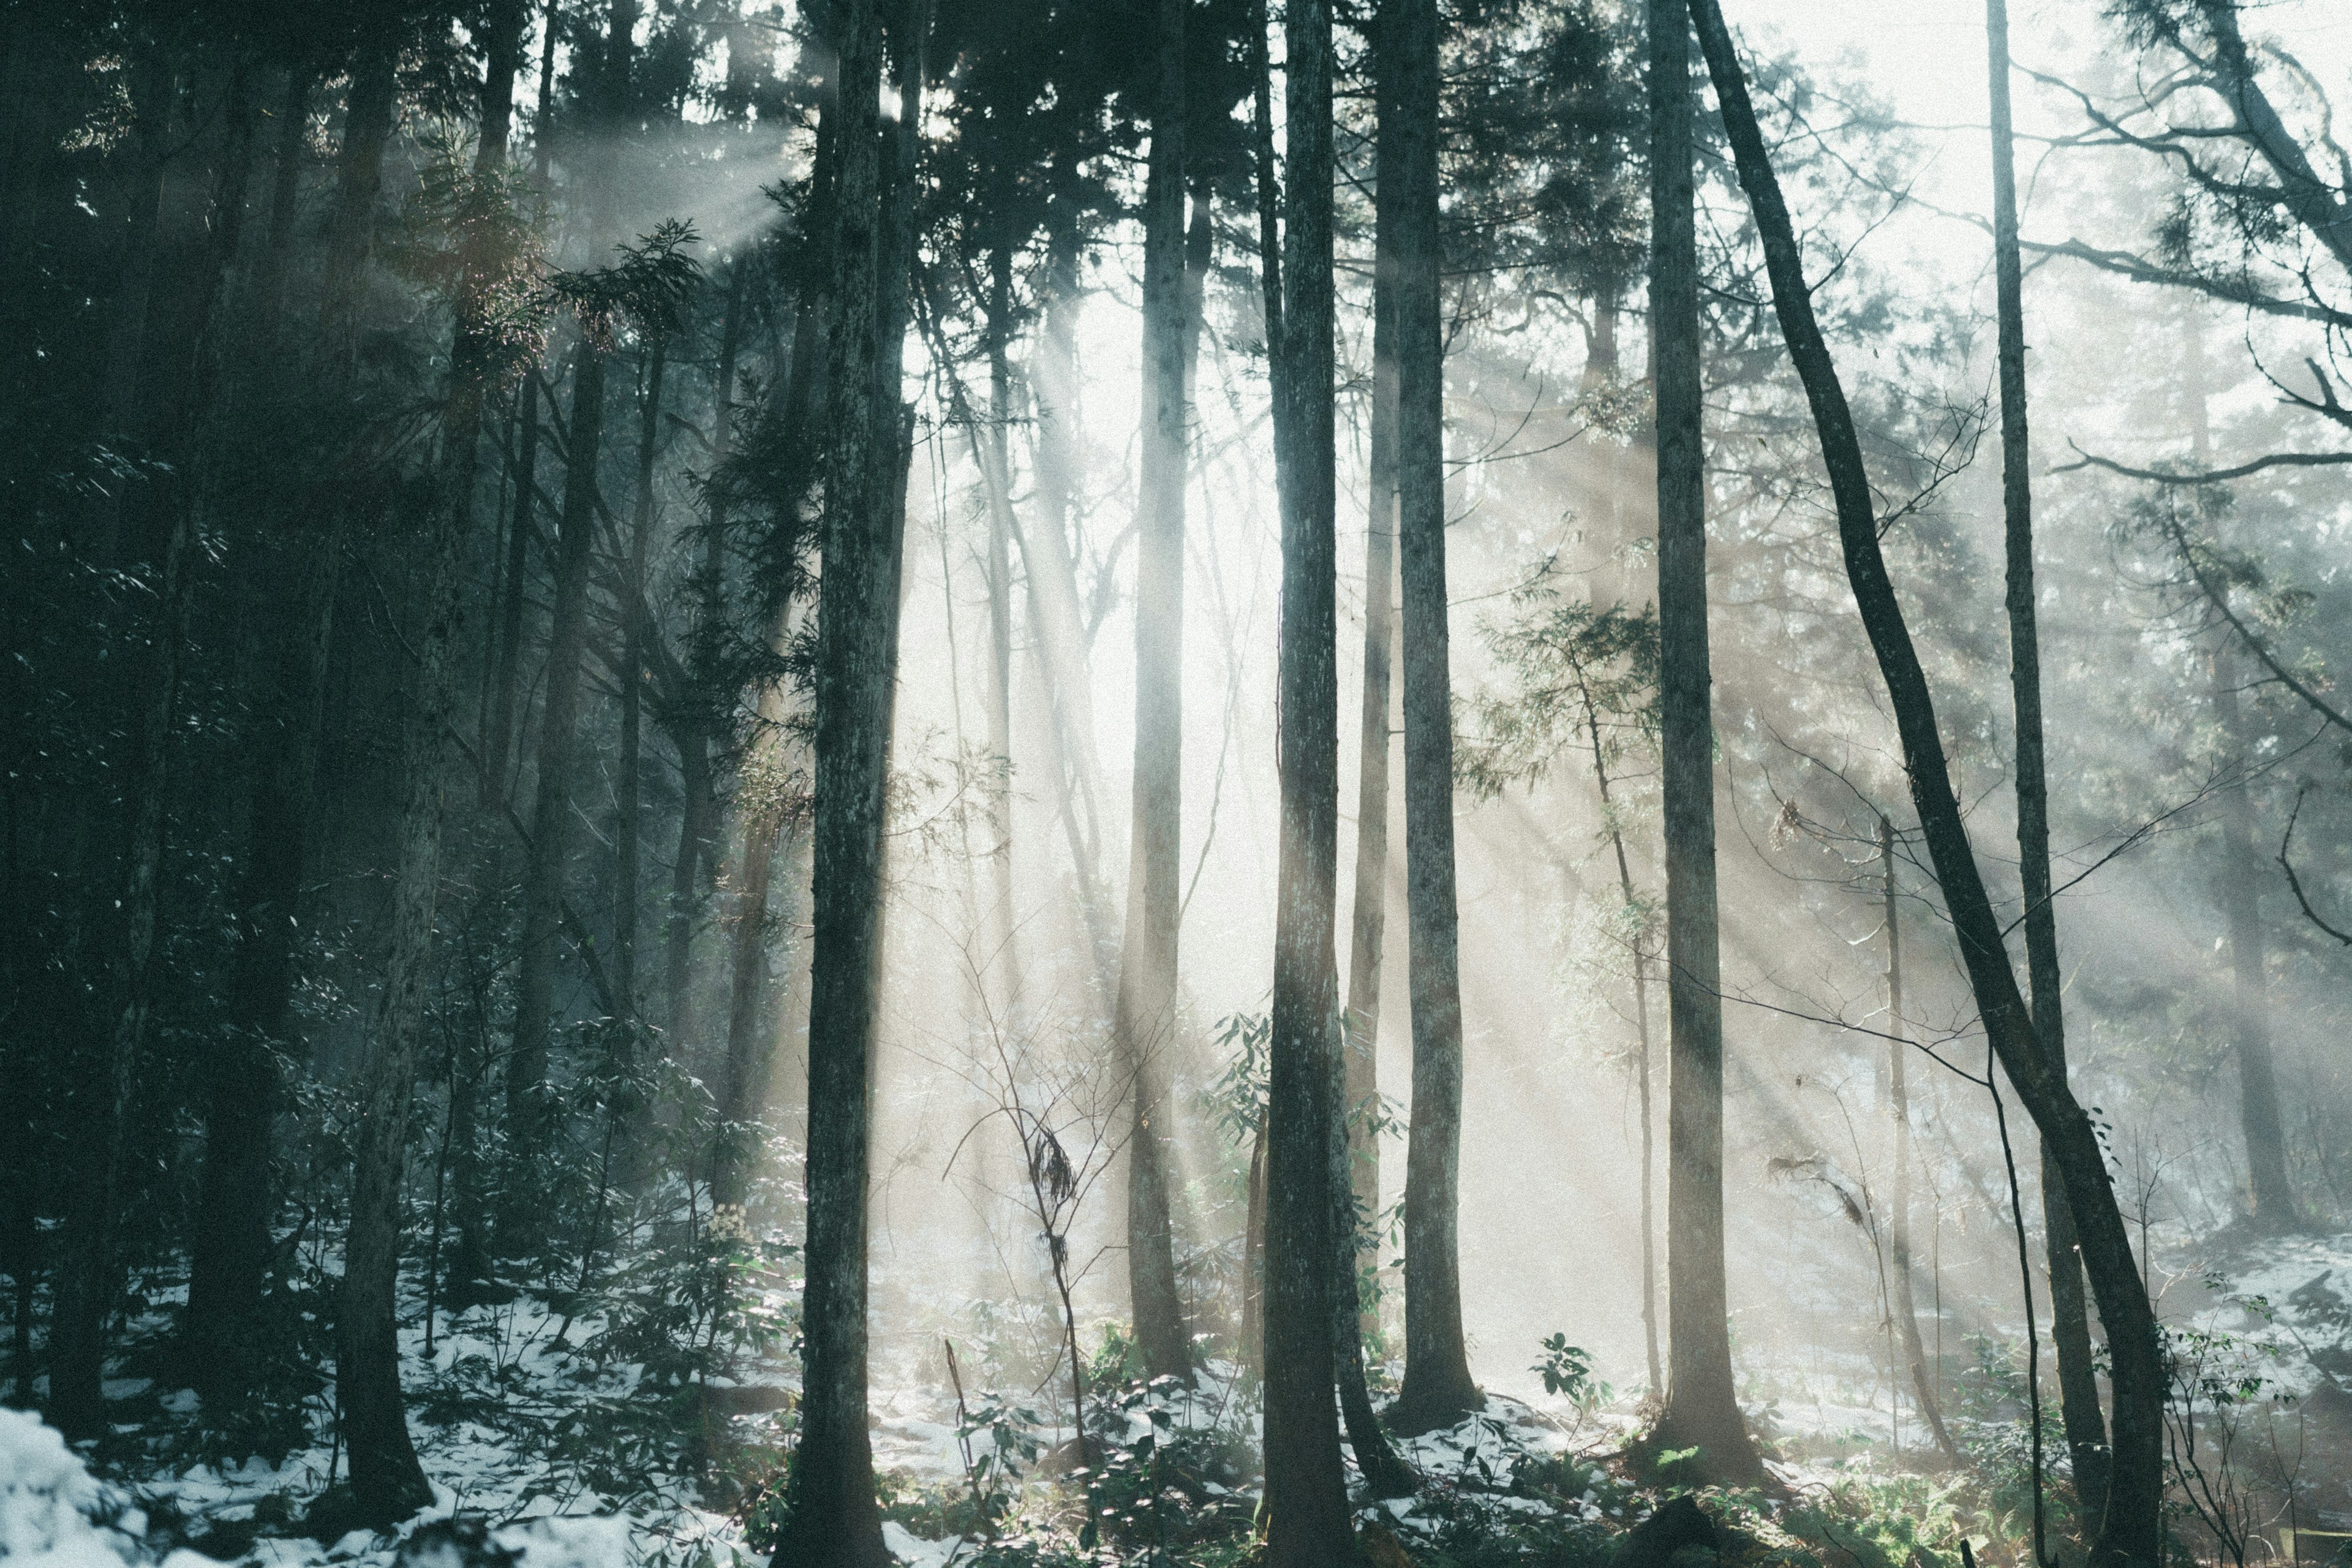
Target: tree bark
230, 1242
2086, 1431
2130, 1533
1369, 919
1305, 1491
1702, 1407
1438, 1390
834, 1517
1144, 1015
387, 1482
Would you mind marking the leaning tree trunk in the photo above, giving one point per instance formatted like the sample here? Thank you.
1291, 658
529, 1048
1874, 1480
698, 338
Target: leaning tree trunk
1143, 1018
833, 1518
1702, 1407
1438, 1390
2130, 1536
1306, 1490
2086, 1428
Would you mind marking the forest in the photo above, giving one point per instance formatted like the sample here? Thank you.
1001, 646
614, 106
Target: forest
1042, 783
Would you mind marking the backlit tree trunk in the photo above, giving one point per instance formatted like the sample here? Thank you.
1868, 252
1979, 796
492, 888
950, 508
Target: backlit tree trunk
1437, 1387
2086, 1428
834, 1516
1305, 1493
1144, 1015
2130, 1536
1702, 1408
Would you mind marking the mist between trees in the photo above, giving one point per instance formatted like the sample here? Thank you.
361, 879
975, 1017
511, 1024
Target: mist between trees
1176, 781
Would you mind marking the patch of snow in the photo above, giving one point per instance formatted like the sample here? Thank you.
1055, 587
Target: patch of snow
910, 1548
53, 1513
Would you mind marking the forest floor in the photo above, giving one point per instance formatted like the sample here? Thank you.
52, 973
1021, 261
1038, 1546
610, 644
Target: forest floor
571, 1456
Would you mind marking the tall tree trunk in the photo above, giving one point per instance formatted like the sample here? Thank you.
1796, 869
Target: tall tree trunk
89, 1275
528, 1111
87, 1285
699, 807
230, 1241
995, 457
744, 1086
1369, 919
629, 831
1438, 1390
2086, 1428
506, 675
1144, 1017
387, 1482
1058, 617
1702, 1406
833, 1518
2130, 1532
1306, 1490
2269, 1190
1898, 1099
530, 1115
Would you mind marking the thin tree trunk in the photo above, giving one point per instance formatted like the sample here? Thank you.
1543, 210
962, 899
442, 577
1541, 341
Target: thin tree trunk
1004, 918
1641, 1035
1702, 1406
630, 830
528, 1113
1144, 1015
833, 1518
743, 1087
2269, 1191
2130, 1533
2086, 1432
743, 1091
88, 1280
546, 856
1898, 1098
1438, 1390
498, 742
694, 741
88, 1275
1306, 1490
1055, 610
